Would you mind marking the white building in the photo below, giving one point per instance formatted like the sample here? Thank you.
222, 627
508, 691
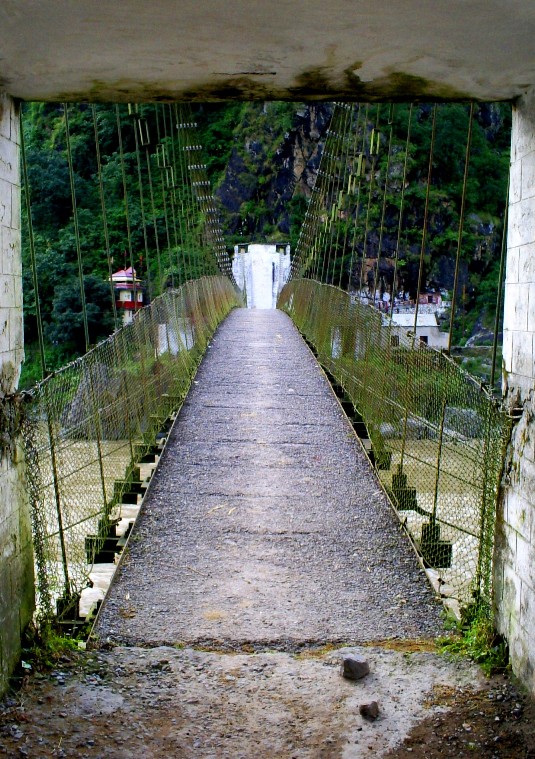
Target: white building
427, 329
128, 293
261, 272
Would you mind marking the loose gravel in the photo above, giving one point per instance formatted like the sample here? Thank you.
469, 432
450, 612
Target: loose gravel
265, 526
264, 541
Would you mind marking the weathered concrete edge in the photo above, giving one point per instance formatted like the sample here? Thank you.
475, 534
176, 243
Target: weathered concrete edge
514, 555
17, 595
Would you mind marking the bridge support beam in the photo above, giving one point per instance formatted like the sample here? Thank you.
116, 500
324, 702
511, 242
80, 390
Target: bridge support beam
16, 558
515, 546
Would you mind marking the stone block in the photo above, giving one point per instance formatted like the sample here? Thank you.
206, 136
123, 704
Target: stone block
16, 336
17, 357
515, 178
519, 514
23, 587
5, 590
523, 126
523, 447
11, 252
5, 202
6, 114
526, 263
512, 265
9, 161
4, 329
525, 561
527, 613
521, 226
9, 537
15, 207
511, 594
7, 290
11, 482
522, 655
522, 361
15, 122
501, 616
10, 646
507, 351
505, 545
17, 288
528, 176
521, 386
526, 480
531, 308
516, 306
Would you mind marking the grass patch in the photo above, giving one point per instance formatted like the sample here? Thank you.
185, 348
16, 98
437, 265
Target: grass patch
44, 647
476, 639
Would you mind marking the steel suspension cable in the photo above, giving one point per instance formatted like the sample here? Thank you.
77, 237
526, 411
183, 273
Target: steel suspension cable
500, 288
126, 203
212, 247
43, 583
76, 226
195, 184
104, 214
351, 177
401, 210
374, 152
328, 174
341, 167
168, 185
136, 117
383, 209
33, 258
461, 223
361, 173
160, 162
177, 199
426, 217
148, 161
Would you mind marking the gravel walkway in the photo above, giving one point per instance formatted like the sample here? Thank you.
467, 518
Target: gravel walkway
264, 526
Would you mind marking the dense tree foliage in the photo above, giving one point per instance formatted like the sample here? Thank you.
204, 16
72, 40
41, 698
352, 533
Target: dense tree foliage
148, 217
262, 159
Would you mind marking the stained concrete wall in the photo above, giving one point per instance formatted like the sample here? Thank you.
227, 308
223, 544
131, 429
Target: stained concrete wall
515, 547
16, 558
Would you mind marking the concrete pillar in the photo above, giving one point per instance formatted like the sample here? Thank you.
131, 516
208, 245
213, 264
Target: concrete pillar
16, 558
515, 545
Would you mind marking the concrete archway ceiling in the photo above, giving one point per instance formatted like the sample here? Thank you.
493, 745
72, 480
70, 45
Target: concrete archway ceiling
298, 49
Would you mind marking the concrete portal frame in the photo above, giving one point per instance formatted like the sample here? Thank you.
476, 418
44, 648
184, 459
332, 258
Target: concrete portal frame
16, 555
387, 50
514, 565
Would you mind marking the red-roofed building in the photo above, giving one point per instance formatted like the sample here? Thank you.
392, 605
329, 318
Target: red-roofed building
128, 293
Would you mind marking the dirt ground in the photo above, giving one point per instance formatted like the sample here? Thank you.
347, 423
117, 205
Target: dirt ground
129, 702
264, 544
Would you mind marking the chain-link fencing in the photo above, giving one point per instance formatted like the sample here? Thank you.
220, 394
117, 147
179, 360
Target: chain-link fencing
89, 427
434, 434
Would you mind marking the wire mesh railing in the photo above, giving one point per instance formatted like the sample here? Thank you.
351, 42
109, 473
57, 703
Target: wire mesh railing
88, 427
436, 436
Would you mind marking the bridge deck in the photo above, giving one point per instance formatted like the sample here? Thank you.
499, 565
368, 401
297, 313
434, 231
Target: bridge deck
264, 525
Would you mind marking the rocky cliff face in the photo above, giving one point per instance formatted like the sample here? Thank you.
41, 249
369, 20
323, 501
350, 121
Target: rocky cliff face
272, 168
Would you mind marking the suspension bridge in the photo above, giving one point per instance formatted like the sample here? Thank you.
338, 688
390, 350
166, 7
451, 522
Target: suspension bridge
212, 478
227, 481
95, 429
